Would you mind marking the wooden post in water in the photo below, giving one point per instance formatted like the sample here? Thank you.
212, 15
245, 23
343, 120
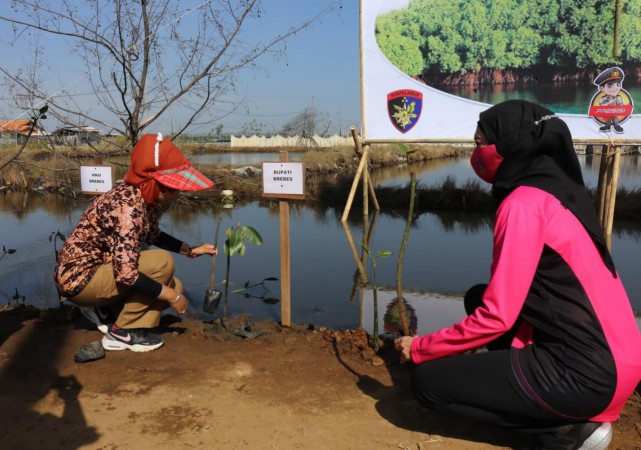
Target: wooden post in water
365, 198
614, 181
285, 284
607, 189
602, 183
285, 181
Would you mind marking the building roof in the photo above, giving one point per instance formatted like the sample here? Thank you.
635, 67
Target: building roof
77, 129
22, 126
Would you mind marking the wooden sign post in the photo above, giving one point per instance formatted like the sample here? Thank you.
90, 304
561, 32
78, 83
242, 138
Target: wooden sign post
284, 180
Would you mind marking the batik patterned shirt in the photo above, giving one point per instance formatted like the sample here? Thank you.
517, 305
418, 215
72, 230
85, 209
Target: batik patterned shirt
113, 229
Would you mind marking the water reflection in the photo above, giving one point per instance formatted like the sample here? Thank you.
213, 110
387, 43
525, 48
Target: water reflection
446, 253
243, 159
570, 98
434, 172
427, 312
629, 170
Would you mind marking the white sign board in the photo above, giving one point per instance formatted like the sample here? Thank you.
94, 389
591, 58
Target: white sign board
95, 179
283, 179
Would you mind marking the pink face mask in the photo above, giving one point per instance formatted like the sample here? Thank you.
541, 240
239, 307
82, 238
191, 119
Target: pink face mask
485, 162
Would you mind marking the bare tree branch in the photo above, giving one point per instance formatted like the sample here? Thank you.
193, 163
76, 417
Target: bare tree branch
147, 59
32, 127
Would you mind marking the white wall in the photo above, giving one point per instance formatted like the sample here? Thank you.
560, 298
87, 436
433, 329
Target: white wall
296, 141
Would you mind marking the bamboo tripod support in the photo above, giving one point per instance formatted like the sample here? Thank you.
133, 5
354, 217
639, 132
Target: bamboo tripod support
363, 172
607, 188
368, 190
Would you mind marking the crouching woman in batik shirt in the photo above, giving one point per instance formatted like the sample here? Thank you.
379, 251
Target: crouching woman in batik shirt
102, 267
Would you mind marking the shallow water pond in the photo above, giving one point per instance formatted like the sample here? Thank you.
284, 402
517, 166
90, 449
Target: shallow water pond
242, 159
446, 254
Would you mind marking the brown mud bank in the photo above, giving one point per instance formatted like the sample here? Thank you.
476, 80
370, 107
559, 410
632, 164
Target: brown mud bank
340, 163
292, 388
41, 170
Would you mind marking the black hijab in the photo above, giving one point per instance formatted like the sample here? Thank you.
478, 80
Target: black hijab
537, 150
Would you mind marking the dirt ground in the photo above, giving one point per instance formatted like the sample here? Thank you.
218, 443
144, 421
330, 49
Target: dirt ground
296, 388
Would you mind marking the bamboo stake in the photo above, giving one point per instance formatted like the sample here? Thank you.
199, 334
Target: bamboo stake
371, 192
359, 149
608, 189
613, 195
365, 234
364, 171
357, 274
352, 246
365, 197
352, 192
358, 145
602, 183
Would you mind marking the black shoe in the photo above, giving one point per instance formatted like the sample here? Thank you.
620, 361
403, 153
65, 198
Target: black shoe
134, 339
618, 129
582, 436
605, 128
100, 316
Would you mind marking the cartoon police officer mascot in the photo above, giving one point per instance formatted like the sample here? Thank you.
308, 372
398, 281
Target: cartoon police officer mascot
611, 105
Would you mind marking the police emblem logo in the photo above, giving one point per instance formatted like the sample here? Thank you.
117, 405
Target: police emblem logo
404, 108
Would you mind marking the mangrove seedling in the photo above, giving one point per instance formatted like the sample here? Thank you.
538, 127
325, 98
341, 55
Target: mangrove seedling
7, 251
213, 295
380, 254
17, 299
54, 236
235, 245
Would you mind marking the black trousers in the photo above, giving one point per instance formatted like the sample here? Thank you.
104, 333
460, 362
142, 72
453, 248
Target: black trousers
480, 386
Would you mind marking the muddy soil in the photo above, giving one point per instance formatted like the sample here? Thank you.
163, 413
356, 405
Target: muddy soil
296, 388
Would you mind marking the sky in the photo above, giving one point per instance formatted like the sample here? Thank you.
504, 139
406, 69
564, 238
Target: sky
320, 70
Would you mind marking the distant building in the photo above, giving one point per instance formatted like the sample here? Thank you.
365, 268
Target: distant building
76, 135
16, 131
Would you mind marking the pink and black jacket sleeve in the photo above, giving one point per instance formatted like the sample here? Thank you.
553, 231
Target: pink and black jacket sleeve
577, 330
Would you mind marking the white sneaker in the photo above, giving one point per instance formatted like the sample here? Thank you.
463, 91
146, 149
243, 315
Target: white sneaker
599, 439
134, 339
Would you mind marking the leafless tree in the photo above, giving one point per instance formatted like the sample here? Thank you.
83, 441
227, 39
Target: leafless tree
145, 59
306, 124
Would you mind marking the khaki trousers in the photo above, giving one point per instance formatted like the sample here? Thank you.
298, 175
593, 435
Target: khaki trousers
132, 309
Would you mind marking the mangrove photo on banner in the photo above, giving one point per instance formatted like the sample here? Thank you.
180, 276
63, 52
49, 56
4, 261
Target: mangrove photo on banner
547, 51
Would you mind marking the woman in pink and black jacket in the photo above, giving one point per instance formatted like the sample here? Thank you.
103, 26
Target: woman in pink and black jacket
565, 349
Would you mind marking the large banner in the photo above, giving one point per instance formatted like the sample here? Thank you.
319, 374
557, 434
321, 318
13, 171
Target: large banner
429, 67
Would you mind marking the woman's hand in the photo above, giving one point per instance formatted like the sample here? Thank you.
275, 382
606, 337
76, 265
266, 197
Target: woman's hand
179, 303
404, 345
202, 249
175, 299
